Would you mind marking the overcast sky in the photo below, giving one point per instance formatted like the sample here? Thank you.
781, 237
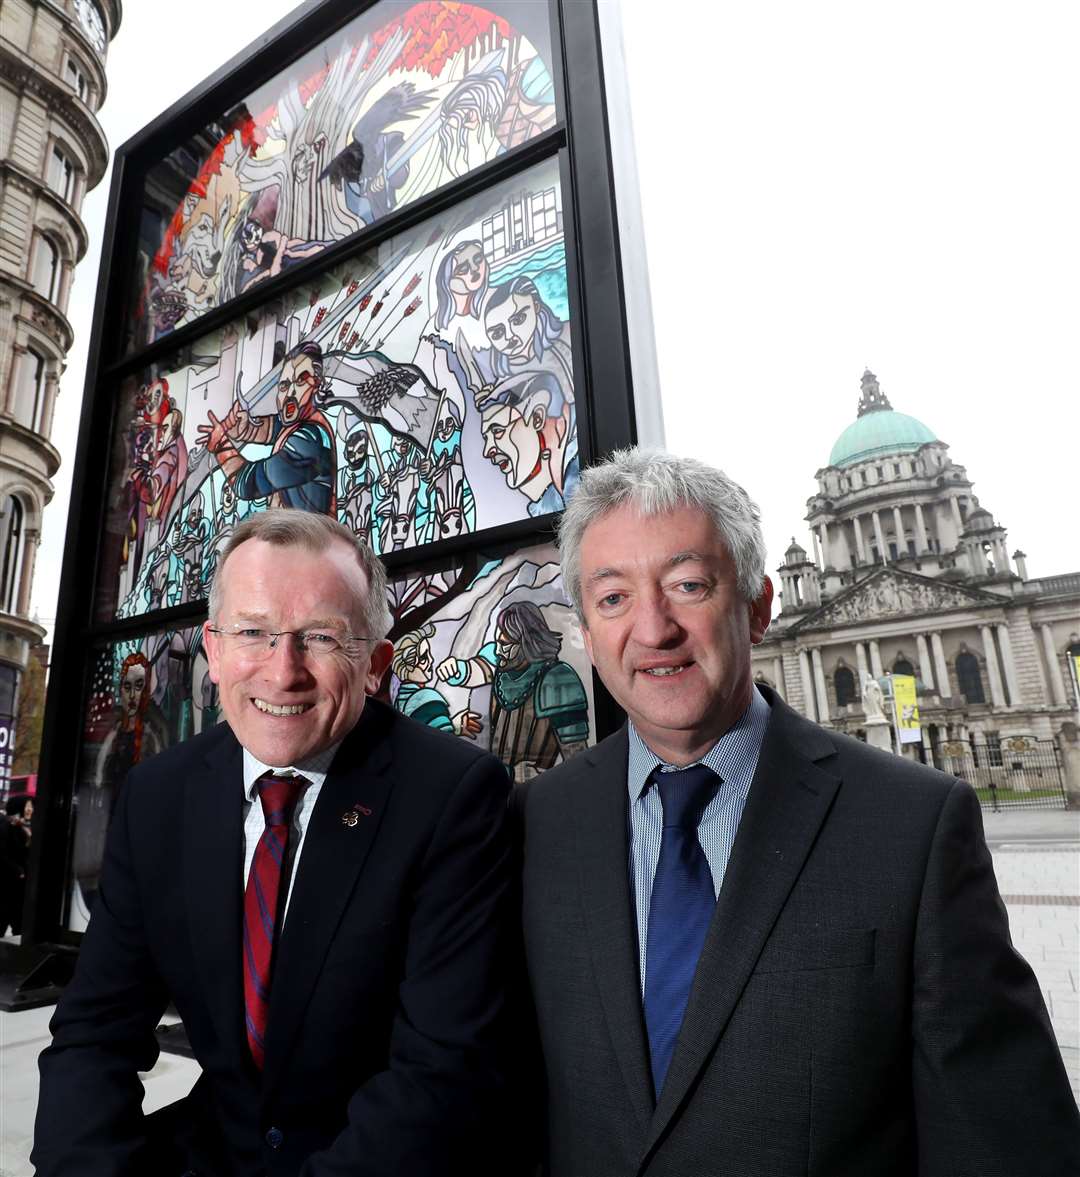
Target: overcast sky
832, 186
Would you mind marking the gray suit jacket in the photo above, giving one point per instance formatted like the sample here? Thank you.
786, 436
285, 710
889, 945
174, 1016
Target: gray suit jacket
858, 1007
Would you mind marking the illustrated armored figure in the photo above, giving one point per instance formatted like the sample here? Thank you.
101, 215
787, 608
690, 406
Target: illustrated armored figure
539, 709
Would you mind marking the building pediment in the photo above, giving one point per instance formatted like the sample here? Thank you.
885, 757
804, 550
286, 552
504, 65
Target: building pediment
890, 593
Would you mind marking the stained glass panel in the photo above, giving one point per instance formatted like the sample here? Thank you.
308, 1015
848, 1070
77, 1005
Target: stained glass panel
403, 100
494, 654
145, 694
419, 391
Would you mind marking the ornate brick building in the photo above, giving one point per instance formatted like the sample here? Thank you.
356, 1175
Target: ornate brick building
909, 574
52, 152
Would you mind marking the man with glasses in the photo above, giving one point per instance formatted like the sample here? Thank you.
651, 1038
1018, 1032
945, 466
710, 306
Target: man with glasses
320, 888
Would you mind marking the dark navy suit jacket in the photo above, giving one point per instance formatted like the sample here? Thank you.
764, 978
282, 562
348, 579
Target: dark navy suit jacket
385, 1038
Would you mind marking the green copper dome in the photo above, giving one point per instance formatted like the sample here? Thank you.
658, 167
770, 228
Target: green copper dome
879, 429
881, 432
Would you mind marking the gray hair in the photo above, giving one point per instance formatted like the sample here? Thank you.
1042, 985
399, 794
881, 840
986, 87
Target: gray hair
654, 483
288, 527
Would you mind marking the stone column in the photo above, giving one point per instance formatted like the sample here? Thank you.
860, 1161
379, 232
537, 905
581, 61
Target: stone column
864, 670
876, 667
1069, 743
18, 358
778, 677
819, 683
26, 573
807, 684
920, 530
823, 539
52, 390
860, 545
879, 535
924, 661
63, 290
819, 555
958, 519
1057, 679
941, 668
997, 695
898, 522
1009, 664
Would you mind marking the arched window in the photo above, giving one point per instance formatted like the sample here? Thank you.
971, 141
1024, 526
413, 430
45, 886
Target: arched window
46, 273
30, 390
11, 521
61, 177
75, 76
903, 666
844, 681
1073, 652
969, 677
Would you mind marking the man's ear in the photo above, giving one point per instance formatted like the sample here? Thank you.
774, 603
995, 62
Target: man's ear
586, 637
381, 655
538, 417
761, 612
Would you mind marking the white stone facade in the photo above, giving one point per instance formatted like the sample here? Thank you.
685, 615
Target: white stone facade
908, 574
52, 151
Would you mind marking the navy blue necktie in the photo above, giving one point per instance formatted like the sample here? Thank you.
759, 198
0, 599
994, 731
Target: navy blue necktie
681, 907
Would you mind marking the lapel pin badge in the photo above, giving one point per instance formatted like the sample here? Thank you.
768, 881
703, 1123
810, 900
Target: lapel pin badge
351, 817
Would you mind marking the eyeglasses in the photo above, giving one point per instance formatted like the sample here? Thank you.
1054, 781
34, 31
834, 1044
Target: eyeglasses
320, 643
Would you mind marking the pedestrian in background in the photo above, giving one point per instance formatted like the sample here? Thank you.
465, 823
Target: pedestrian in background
15, 835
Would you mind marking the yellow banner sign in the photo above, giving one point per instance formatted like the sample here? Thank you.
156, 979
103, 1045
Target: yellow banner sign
907, 709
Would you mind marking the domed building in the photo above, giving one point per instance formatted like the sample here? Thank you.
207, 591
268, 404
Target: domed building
909, 574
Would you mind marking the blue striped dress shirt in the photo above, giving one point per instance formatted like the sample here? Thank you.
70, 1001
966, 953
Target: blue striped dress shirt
734, 759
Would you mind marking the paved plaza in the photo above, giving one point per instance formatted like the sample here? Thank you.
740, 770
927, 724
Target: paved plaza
1037, 860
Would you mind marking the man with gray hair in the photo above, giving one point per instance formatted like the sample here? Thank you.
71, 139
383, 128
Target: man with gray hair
757, 946
319, 886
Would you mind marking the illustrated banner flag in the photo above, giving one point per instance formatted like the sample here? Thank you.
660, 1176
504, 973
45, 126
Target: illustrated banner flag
907, 709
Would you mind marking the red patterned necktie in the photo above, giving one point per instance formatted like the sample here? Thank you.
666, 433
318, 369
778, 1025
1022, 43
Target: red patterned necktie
263, 903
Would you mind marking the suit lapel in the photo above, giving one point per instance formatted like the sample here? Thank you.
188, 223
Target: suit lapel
788, 801
331, 860
213, 886
600, 799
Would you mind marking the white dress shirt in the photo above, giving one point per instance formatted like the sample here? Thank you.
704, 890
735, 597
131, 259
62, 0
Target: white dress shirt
314, 768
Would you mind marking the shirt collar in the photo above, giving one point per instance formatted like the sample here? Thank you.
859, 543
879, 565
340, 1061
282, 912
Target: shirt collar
313, 767
733, 757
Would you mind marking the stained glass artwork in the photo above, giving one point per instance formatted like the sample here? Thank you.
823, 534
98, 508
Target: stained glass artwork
420, 391
405, 99
145, 695
495, 655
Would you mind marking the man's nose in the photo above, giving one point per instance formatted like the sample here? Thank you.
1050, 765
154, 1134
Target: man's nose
654, 621
287, 662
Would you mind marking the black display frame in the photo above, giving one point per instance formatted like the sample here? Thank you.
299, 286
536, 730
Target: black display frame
580, 141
